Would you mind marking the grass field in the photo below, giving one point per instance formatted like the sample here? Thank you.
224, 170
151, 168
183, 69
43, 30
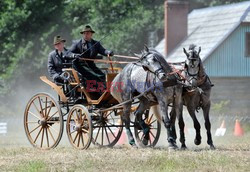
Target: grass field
232, 154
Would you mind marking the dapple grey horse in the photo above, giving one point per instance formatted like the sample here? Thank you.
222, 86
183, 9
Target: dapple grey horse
196, 96
151, 70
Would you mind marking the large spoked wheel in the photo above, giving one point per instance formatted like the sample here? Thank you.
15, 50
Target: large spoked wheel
43, 121
107, 128
79, 127
147, 129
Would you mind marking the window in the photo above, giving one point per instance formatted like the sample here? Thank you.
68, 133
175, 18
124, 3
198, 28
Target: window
248, 44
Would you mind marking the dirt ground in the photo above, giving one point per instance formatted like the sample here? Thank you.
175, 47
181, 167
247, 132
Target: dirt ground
232, 154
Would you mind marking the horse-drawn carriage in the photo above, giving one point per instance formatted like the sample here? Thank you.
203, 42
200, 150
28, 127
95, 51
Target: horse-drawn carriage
90, 117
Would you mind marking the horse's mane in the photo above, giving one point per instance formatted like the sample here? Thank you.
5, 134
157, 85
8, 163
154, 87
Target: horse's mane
202, 71
162, 60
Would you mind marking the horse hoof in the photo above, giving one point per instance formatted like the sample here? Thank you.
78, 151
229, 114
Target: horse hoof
197, 141
172, 146
145, 142
183, 147
212, 147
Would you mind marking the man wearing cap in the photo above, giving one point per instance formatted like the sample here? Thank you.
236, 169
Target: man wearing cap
89, 48
56, 60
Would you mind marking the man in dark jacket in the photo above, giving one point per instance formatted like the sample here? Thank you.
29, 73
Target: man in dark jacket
56, 60
89, 48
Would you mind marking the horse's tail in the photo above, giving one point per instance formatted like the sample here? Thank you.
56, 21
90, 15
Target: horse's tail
156, 112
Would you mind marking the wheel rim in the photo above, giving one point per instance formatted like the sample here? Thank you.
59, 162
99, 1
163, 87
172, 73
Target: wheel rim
154, 130
107, 128
43, 121
79, 127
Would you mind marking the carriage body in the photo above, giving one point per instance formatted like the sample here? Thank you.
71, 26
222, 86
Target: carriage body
89, 115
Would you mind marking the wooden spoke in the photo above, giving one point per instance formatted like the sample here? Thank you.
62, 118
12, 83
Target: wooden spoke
33, 115
35, 128
77, 116
78, 143
84, 117
41, 107
143, 135
38, 134
97, 134
107, 114
52, 115
153, 128
86, 131
81, 114
47, 136
149, 119
75, 138
152, 122
53, 129
72, 131
51, 134
31, 122
112, 125
152, 134
102, 135
37, 108
150, 142
107, 135
52, 122
50, 107
84, 136
111, 132
45, 115
74, 118
42, 138
82, 140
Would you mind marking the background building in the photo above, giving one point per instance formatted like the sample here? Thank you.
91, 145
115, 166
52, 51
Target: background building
223, 32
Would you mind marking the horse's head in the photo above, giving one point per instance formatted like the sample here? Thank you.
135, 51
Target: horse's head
152, 61
192, 65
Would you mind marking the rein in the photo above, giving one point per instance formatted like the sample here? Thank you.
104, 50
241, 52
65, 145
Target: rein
105, 61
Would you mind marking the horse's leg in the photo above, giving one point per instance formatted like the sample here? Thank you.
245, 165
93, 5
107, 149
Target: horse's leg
173, 119
126, 119
206, 109
144, 104
167, 123
197, 126
179, 110
182, 134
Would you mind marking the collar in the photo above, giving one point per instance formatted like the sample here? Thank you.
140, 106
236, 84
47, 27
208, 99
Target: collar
85, 42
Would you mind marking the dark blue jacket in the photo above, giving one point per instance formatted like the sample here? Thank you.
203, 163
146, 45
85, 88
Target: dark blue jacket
81, 46
55, 62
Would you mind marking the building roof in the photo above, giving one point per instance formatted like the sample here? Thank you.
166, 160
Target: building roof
208, 28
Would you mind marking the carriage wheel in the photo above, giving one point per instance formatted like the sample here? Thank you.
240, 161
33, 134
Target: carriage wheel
153, 128
79, 127
107, 128
43, 121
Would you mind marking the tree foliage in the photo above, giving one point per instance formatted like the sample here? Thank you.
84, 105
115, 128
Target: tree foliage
27, 28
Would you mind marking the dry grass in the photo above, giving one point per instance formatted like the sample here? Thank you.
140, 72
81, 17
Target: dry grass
232, 154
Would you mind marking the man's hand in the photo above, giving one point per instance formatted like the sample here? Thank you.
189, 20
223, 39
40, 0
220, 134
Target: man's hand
64, 77
61, 78
110, 53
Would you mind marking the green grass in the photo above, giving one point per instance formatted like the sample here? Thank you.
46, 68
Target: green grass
31, 166
232, 154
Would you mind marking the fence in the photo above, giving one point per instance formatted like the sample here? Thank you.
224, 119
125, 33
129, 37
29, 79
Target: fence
3, 128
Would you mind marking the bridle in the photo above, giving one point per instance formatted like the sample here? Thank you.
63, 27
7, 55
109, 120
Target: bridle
195, 75
156, 72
